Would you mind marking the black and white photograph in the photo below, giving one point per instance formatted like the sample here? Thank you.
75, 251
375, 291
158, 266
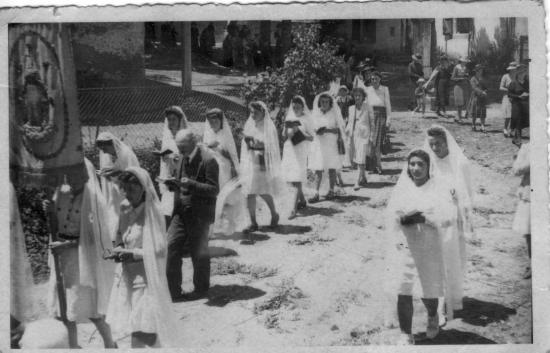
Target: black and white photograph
276, 180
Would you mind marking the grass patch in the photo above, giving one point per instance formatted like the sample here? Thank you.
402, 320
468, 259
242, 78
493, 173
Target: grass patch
225, 266
310, 240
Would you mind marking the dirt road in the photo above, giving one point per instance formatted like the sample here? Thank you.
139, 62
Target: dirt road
317, 280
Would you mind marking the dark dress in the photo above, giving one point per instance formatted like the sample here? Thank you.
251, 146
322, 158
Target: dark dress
478, 101
442, 85
520, 106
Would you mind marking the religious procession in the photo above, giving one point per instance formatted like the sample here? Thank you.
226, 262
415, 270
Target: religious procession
384, 204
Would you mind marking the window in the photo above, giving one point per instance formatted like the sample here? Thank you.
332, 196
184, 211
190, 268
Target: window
448, 26
392, 31
464, 25
523, 48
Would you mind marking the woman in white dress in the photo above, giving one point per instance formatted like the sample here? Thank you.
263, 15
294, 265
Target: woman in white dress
174, 121
260, 163
114, 156
506, 105
359, 129
219, 139
324, 154
298, 132
140, 303
420, 213
452, 169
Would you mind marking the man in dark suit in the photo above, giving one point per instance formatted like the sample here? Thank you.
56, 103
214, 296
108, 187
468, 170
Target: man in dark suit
196, 186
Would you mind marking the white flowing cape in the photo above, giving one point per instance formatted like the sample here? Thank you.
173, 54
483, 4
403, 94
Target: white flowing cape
230, 193
125, 157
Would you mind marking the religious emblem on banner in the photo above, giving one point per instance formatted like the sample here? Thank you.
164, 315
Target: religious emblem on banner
45, 139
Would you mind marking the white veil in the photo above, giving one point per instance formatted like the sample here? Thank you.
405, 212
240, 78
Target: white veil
168, 142
224, 136
291, 116
462, 183
398, 260
272, 155
125, 158
154, 259
340, 124
272, 151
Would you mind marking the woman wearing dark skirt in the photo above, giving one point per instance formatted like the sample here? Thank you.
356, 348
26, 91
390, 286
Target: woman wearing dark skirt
518, 92
477, 107
442, 81
378, 97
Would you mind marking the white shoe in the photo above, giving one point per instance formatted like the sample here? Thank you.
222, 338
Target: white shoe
433, 326
405, 340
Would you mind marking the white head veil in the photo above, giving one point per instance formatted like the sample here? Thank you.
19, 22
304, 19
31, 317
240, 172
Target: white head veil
154, 259
224, 136
125, 157
272, 152
462, 175
334, 110
168, 142
291, 116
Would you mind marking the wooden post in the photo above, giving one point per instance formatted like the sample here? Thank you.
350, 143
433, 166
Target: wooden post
186, 70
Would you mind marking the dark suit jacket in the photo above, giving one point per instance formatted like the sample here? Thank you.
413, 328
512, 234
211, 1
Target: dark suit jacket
198, 200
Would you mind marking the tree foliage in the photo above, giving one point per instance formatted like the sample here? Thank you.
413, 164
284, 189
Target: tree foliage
495, 54
309, 66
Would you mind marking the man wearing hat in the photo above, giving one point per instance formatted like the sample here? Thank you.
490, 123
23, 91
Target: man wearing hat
441, 76
506, 105
416, 72
518, 92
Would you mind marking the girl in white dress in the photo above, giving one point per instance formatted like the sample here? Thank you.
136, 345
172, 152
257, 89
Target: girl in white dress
420, 213
219, 139
260, 163
299, 133
328, 126
114, 157
359, 129
452, 169
174, 121
140, 303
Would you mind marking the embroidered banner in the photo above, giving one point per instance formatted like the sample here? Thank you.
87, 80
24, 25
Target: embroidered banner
45, 138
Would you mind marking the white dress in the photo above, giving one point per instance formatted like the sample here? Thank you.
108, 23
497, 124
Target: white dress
359, 126
294, 162
324, 148
425, 259
130, 307
506, 104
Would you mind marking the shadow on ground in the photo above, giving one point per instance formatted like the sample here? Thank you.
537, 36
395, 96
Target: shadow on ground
218, 251
452, 337
220, 296
321, 211
481, 313
291, 229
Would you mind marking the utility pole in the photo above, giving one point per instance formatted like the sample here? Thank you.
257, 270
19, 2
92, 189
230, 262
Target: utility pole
186, 70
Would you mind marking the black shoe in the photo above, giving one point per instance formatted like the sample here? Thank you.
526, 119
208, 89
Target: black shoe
274, 221
194, 295
251, 228
301, 205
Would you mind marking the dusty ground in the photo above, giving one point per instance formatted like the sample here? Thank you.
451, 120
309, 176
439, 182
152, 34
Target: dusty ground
317, 280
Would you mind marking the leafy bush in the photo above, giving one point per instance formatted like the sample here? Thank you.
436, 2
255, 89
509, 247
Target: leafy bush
308, 69
494, 54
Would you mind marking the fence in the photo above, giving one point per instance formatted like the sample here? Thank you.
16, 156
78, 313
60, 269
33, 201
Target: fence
136, 114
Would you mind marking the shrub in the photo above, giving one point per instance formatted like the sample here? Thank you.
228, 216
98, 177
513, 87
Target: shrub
308, 68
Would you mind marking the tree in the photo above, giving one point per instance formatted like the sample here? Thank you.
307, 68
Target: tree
309, 66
